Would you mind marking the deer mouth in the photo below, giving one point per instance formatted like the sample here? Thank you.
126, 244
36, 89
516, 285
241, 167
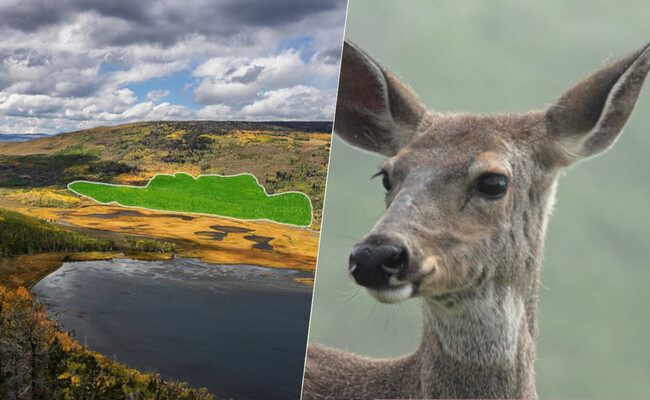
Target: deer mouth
391, 294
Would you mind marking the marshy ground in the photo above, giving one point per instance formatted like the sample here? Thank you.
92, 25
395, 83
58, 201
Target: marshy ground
211, 239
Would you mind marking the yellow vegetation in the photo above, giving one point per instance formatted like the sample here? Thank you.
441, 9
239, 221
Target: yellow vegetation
176, 134
293, 247
60, 198
144, 176
326, 137
308, 281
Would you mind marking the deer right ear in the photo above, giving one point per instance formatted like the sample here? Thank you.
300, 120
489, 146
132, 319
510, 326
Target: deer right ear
374, 110
588, 117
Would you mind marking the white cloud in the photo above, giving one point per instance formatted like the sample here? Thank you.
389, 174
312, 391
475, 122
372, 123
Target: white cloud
215, 111
281, 70
158, 94
28, 105
249, 84
211, 92
298, 102
145, 71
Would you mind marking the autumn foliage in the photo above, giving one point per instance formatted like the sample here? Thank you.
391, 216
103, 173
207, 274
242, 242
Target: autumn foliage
38, 360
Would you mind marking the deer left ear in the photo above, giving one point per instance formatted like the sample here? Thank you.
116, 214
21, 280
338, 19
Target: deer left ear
589, 116
374, 110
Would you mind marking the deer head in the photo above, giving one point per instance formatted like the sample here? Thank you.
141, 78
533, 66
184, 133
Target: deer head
467, 196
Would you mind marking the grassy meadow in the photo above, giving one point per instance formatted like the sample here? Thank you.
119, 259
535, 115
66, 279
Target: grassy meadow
238, 196
497, 56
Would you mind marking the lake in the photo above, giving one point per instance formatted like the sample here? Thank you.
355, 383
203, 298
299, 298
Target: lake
239, 330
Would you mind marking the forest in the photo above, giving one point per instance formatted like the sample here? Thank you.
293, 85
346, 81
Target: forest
21, 234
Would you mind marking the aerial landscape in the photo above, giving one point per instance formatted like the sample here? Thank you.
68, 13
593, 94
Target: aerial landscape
162, 172
50, 222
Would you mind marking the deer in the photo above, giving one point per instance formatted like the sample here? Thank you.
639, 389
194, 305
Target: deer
467, 203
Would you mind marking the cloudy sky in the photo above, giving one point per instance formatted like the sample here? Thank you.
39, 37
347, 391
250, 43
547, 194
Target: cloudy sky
73, 64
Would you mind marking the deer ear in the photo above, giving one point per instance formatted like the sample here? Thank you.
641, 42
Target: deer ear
589, 116
374, 110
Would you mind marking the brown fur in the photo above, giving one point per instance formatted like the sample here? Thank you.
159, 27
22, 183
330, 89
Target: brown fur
474, 261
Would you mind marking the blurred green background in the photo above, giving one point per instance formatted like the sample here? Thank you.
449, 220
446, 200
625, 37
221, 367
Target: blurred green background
493, 56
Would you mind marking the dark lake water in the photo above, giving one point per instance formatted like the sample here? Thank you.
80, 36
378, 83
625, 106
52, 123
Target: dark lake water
225, 327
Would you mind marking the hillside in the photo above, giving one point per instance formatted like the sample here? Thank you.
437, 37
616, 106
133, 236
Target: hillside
284, 156
20, 234
39, 360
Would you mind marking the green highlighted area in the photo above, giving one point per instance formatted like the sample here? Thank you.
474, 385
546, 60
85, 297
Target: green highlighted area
237, 196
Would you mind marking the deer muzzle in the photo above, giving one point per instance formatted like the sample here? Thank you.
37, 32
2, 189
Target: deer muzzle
379, 267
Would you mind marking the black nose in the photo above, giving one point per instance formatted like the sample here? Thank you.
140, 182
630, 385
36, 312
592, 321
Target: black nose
373, 266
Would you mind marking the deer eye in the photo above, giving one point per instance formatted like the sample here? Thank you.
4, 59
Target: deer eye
384, 179
492, 186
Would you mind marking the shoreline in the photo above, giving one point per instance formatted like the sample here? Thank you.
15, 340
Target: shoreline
28, 269
50, 262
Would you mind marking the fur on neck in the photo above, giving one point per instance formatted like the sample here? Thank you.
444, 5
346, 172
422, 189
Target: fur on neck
481, 328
